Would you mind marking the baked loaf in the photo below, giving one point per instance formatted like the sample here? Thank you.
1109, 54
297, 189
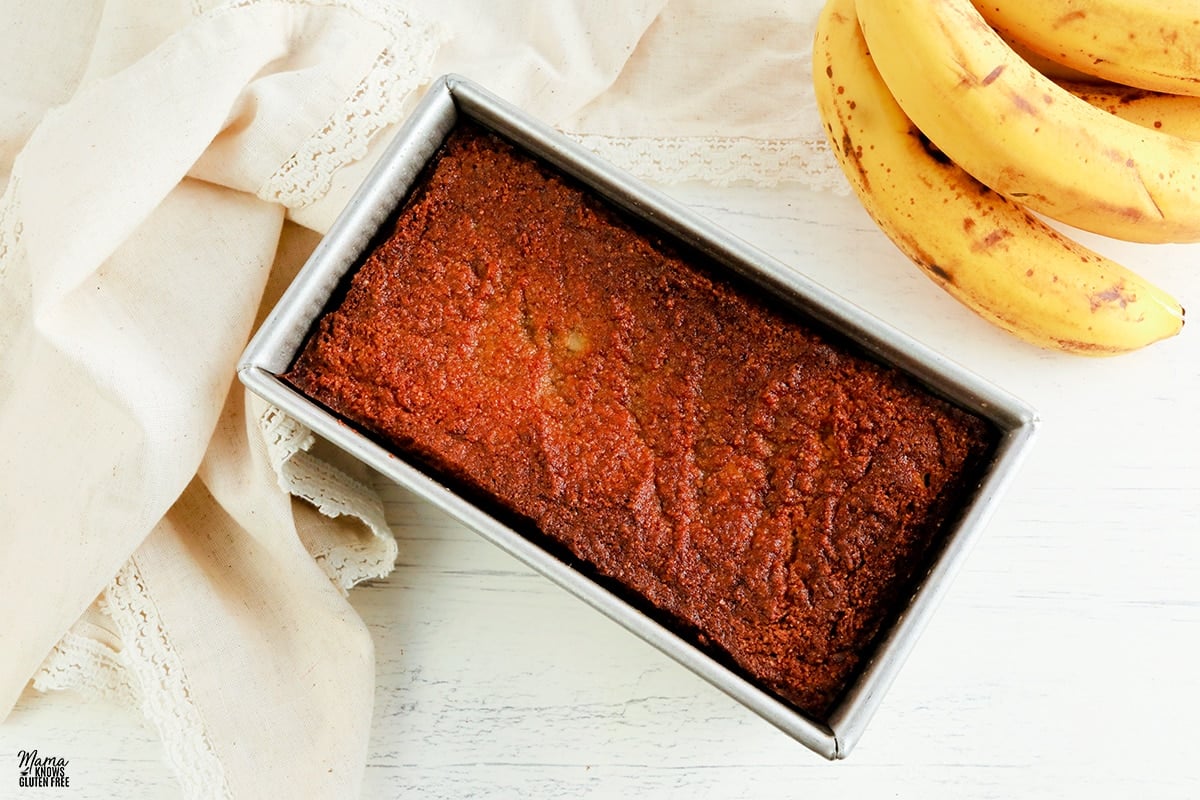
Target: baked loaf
769, 492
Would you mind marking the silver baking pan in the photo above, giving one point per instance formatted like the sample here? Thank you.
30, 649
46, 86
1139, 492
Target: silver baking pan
284, 331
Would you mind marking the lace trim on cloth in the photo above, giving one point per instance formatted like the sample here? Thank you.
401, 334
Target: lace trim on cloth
722, 161
165, 698
376, 102
87, 666
334, 494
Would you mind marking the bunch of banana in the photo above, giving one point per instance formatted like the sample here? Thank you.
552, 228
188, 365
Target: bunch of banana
951, 139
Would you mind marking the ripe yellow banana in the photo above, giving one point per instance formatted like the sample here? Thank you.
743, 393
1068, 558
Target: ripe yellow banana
1151, 44
1176, 114
986, 251
1023, 135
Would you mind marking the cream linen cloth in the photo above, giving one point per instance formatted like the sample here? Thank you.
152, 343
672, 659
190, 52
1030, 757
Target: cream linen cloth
168, 540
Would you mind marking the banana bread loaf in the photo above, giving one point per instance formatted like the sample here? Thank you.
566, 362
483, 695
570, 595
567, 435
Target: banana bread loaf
768, 491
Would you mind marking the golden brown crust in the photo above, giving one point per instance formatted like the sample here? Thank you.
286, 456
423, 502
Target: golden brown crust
775, 493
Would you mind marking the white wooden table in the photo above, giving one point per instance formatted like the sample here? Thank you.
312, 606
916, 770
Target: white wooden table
1062, 663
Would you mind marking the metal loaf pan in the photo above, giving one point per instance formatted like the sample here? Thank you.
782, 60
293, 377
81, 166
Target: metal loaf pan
282, 334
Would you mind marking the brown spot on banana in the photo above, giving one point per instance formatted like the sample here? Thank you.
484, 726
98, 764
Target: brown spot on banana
1130, 213
942, 275
853, 154
1070, 17
991, 240
1134, 95
1024, 105
917, 253
938, 273
1113, 295
1088, 348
